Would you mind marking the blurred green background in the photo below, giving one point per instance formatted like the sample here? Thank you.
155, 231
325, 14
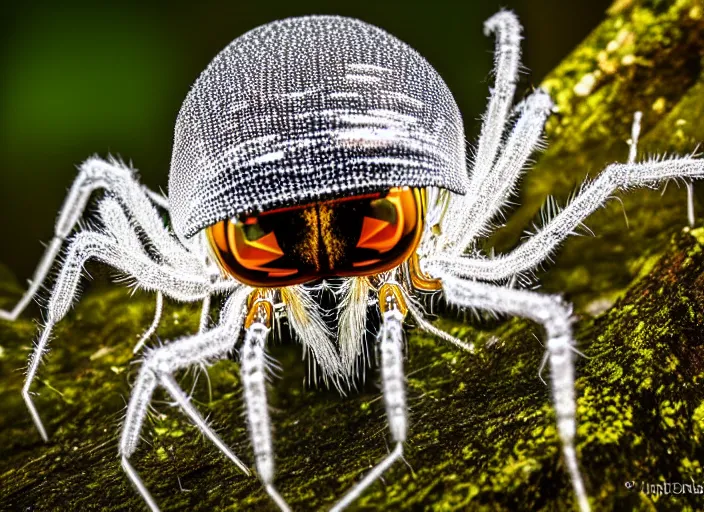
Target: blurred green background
77, 80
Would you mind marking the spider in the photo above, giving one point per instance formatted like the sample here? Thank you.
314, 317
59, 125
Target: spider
319, 148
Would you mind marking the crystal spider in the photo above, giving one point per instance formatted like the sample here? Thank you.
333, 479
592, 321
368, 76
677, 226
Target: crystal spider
314, 148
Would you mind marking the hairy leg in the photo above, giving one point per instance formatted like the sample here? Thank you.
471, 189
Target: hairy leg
500, 183
507, 29
538, 248
253, 374
157, 370
137, 199
158, 310
393, 388
554, 315
122, 255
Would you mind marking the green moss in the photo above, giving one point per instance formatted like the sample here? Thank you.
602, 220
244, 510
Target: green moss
483, 432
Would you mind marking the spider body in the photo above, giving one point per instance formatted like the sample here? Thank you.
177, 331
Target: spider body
317, 147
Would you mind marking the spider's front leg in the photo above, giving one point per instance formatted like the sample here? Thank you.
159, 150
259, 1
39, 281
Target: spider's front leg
157, 370
507, 29
253, 373
137, 199
161, 363
393, 310
554, 315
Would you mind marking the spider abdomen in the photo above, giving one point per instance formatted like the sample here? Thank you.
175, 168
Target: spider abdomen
311, 109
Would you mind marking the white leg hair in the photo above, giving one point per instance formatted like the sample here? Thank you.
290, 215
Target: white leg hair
507, 29
352, 323
158, 311
394, 393
158, 198
499, 184
253, 375
306, 322
158, 368
417, 312
616, 177
204, 314
137, 199
554, 315
121, 253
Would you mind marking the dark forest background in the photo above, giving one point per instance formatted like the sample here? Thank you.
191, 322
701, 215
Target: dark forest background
77, 80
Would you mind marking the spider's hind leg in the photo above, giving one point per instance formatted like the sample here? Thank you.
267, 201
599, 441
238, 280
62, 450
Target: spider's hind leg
119, 248
157, 370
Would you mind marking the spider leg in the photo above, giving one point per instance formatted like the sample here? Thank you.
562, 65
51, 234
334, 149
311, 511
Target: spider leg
88, 245
116, 223
418, 315
204, 314
506, 27
526, 257
482, 207
136, 198
157, 370
393, 387
554, 315
157, 198
253, 374
158, 311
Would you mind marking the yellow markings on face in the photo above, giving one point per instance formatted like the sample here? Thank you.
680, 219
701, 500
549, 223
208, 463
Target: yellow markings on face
320, 229
334, 245
308, 248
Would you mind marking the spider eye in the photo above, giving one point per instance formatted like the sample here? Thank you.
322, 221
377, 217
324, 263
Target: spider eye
384, 224
247, 251
356, 236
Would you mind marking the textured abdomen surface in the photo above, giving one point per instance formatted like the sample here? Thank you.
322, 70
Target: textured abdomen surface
307, 109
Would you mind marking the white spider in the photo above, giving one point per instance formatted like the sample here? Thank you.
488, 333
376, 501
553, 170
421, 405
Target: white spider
366, 118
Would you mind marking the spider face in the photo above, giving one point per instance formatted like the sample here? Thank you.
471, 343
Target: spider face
351, 237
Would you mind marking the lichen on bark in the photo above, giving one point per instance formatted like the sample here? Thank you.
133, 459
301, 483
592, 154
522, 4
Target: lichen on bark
482, 425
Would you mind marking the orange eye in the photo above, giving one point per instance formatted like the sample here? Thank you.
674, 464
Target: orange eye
356, 236
244, 250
